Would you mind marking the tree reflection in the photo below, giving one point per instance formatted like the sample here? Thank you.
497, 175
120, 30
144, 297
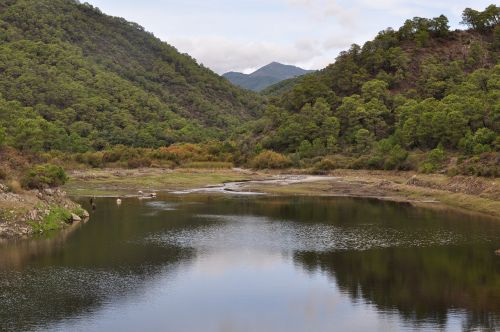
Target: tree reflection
425, 285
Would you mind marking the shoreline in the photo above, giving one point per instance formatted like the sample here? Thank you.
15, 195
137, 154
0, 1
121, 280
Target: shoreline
467, 194
25, 214
470, 195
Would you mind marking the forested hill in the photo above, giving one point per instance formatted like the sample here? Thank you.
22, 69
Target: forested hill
75, 79
418, 88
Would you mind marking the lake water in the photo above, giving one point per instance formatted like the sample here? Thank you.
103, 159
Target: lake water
256, 263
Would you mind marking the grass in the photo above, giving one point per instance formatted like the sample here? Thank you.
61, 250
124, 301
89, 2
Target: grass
208, 165
114, 183
55, 220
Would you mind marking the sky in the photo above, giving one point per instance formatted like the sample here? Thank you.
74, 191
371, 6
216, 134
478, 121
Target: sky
244, 35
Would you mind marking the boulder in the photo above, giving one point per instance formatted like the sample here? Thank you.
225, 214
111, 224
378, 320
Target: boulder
75, 218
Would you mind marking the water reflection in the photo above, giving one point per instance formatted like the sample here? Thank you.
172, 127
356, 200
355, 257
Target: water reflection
218, 263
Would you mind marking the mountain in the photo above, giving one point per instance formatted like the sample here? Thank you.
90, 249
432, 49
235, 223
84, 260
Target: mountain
266, 76
75, 79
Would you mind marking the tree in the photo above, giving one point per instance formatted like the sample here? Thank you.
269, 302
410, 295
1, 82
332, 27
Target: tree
375, 89
440, 26
482, 21
364, 140
456, 128
2, 135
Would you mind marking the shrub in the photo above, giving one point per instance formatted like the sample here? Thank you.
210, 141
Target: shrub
139, 162
435, 159
2, 135
397, 156
14, 186
324, 166
44, 176
427, 168
270, 160
209, 165
93, 159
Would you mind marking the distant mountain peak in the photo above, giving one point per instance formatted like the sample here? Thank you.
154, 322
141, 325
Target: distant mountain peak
266, 76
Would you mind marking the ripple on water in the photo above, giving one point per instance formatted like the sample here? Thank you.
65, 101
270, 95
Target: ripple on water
162, 205
62, 292
262, 233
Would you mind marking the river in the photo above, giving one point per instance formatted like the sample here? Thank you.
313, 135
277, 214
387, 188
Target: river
218, 262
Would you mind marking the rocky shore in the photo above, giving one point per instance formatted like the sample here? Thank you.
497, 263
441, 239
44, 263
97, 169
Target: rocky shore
26, 213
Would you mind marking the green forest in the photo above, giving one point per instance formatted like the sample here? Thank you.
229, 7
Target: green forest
79, 86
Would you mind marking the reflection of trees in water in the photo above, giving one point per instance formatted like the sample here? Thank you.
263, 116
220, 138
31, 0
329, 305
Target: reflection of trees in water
423, 284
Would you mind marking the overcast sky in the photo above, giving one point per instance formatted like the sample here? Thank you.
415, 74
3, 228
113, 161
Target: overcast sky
243, 35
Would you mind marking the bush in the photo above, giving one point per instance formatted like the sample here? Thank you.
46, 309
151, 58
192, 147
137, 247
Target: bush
14, 186
324, 166
208, 165
139, 162
397, 156
435, 159
270, 160
427, 168
93, 159
44, 176
2, 135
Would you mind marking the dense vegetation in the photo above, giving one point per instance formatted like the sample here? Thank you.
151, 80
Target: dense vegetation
420, 88
75, 80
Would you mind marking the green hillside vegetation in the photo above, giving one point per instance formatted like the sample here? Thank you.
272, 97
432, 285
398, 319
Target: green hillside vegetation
76, 80
421, 89
80, 87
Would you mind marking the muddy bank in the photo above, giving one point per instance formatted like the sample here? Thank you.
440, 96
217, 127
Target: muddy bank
26, 213
478, 195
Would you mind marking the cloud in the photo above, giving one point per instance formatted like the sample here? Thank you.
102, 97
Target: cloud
326, 9
224, 54
243, 35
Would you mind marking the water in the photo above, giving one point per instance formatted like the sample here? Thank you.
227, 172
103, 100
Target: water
256, 263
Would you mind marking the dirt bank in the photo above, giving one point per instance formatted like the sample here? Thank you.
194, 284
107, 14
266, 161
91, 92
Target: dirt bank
25, 213
473, 194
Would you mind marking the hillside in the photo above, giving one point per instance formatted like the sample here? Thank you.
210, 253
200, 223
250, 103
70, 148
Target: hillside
409, 99
266, 76
75, 79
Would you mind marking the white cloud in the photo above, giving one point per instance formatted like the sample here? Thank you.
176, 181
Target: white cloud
243, 35
224, 54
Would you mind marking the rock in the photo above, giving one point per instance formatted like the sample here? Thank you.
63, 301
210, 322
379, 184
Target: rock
75, 218
497, 252
49, 192
33, 215
86, 214
413, 180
